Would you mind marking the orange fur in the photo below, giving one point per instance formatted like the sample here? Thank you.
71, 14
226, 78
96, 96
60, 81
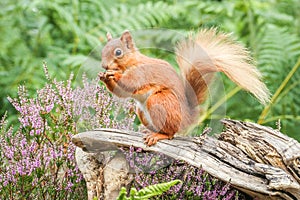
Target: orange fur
166, 102
210, 51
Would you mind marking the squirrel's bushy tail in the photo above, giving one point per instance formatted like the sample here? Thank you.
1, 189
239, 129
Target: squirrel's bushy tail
210, 51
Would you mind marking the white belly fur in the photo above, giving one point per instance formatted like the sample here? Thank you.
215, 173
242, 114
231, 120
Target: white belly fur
141, 103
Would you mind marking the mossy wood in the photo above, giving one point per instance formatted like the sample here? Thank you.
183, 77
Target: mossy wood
255, 159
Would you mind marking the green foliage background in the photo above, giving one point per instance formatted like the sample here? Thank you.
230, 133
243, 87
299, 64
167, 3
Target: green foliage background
65, 34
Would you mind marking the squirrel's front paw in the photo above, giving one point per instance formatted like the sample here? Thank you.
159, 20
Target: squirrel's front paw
113, 75
110, 75
102, 76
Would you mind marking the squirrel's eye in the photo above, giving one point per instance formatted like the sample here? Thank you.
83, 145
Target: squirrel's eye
118, 52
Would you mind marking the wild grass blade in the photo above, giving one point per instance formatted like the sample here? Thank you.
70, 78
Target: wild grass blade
264, 113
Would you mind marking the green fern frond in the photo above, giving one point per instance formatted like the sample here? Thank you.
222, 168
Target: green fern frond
277, 47
156, 189
147, 192
117, 18
280, 89
278, 52
122, 194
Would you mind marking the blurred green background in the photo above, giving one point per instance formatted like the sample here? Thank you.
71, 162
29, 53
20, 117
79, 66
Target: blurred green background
69, 34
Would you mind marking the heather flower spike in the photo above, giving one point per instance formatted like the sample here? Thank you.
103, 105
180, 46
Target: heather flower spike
29, 156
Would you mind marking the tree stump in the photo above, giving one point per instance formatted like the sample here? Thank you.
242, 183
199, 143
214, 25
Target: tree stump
255, 159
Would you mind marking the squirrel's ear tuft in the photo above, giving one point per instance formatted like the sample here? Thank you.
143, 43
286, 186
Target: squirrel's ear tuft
108, 36
127, 40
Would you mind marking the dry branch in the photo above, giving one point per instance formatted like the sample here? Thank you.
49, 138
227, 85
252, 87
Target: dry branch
256, 159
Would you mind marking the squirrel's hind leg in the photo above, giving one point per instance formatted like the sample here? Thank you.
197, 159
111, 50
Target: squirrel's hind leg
162, 115
151, 137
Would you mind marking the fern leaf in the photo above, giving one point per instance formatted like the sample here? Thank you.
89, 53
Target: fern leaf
277, 47
156, 189
122, 194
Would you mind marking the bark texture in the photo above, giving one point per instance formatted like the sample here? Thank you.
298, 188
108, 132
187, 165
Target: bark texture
255, 159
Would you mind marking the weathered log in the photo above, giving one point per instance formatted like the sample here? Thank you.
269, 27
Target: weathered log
258, 160
104, 172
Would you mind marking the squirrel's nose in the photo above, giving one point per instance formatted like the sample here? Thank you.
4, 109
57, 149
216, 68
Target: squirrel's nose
105, 66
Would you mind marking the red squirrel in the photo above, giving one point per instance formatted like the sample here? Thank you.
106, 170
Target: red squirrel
167, 102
